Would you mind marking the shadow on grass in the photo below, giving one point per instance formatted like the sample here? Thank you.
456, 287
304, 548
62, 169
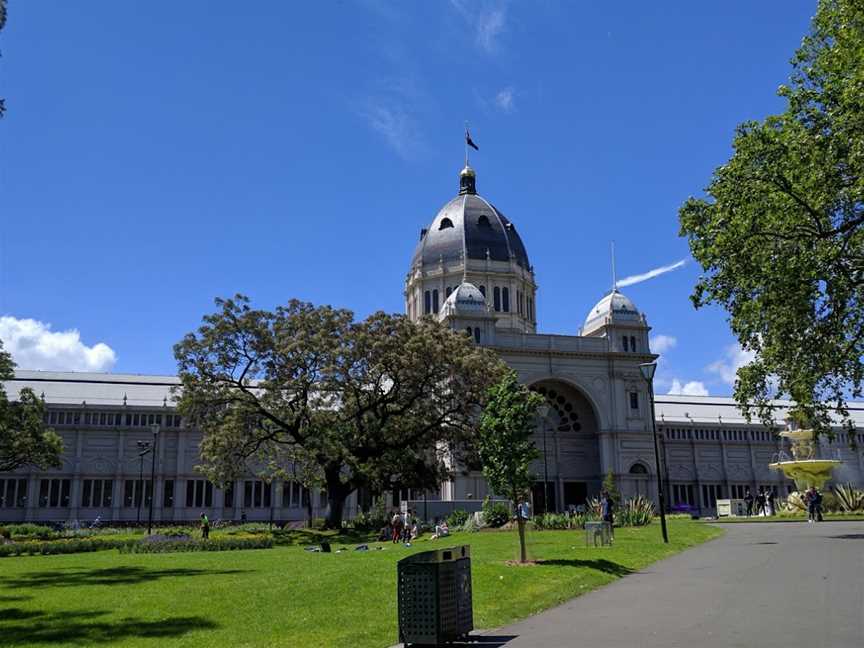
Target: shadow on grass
73, 627
605, 566
314, 537
13, 599
109, 576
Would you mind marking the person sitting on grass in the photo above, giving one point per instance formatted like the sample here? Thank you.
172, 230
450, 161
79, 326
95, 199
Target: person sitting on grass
205, 526
441, 530
415, 530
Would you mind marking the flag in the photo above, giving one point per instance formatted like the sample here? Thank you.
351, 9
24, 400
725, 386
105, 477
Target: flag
469, 141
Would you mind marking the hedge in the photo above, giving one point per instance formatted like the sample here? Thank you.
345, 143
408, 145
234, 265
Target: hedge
216, 544
57, 547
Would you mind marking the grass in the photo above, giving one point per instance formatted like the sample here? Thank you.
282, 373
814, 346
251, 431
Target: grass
289, 597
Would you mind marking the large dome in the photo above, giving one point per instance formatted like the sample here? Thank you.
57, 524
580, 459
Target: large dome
470, 227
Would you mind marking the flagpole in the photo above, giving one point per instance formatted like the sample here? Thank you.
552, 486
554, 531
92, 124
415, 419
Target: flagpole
614, 278
466, 143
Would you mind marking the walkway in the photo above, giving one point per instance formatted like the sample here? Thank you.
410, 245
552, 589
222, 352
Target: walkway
763, 585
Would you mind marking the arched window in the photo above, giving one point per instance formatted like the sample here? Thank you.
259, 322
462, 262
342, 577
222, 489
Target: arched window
483, 221
496, 298
427, 302
469, 332
505, 299
445, 223
638, 469
435, 300
625, 343
477, 335
633, 344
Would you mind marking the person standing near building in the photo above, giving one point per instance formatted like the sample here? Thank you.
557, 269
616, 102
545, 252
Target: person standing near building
607, 511
205, 526
760, 502
396, 523
810, 501
748, 502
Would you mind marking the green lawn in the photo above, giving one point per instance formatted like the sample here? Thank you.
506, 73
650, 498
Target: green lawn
288, 597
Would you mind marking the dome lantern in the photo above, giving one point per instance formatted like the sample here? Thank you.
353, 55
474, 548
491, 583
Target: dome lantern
467, 181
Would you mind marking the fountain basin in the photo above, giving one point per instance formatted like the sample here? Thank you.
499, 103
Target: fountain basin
807, 472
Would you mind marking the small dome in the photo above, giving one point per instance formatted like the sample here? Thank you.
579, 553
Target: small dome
614, 306
466, 300
467, 171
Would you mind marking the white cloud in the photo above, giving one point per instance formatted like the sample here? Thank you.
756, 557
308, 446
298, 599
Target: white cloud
34, 345
504, 100
487, 20
662, 343
692, 388
734, 358
395, 125
645, 276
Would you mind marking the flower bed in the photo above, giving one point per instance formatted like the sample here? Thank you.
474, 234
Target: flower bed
170, 545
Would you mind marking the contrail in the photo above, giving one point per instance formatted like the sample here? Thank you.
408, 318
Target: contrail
656, 272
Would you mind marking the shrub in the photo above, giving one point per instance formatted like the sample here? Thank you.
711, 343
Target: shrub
830, 503
473, 524
5, 534
57, 547
457, 518
216, 544
558, 522
30, 531
849, 498
636, 511
495, 514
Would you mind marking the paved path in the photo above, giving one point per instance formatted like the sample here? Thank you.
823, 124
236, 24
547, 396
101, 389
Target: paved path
763, 585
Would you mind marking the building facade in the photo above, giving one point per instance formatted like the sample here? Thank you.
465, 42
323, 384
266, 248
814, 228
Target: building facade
471, 270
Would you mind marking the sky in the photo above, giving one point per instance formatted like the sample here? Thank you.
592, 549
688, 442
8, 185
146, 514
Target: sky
156, 155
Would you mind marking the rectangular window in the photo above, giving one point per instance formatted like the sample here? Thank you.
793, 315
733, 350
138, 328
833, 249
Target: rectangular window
257, 494
137, 493
86, 492
427, 302
505, 299
634, 400
229, 495
190, 493
247, 494
54, 493
435, 300
624, 339
168, 494
496, 298
128, 493
96, 493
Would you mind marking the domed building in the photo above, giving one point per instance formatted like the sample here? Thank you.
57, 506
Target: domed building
471, 270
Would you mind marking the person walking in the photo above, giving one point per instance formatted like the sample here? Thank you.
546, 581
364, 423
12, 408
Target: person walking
396, 523
760, 503
607, 511
770, 499
748, 502
205, 526
818, 499
810, 501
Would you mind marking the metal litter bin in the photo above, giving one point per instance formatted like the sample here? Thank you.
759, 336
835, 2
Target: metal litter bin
434, 596
598, 534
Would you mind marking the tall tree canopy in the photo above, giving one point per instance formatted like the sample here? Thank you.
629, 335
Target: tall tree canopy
780, 234
24, 438
505, 444
379, 403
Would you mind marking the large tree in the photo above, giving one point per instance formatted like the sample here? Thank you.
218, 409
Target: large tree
505, 444
780, 235
381, 402
25, 440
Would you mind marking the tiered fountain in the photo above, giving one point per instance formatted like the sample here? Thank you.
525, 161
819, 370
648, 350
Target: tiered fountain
805, 468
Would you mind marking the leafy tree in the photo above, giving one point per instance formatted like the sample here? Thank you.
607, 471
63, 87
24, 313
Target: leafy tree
780, 234
505, 444
25, 440
369, 404
611, 487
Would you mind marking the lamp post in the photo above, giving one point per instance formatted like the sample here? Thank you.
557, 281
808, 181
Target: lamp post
155, 430
647, 369
543, 411
144, 448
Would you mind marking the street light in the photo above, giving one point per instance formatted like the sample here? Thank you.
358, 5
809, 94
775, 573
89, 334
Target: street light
144, 448
543, 411
647, 369
155, 430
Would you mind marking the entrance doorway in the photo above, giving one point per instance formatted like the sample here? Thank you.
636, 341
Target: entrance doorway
575, 494
538, 494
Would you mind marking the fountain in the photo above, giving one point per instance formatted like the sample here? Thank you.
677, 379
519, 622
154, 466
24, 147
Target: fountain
805, 468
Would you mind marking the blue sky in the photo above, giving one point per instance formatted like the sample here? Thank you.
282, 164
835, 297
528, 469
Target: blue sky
158, 154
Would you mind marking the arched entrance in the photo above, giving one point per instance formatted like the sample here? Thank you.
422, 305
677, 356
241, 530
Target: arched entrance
639, 476
568, 469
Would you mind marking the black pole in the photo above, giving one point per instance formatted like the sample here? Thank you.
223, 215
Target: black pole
657, 463
140, 483
545, 472
152, 479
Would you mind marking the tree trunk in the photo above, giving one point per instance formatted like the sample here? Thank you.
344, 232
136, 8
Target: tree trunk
337, 493
523, 552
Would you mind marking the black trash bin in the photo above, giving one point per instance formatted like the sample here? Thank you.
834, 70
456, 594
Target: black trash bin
434, 596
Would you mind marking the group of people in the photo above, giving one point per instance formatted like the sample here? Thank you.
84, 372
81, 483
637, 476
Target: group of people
402, 527
813, 500
762, 504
